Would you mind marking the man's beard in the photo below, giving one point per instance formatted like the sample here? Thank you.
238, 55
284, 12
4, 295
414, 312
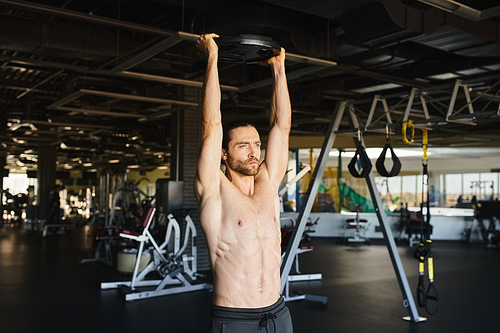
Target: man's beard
243, 168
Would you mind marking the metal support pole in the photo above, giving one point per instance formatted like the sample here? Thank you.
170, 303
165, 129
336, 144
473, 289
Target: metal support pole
408, 301
298, 203
293, 245
410, 103
340, 182
106, 201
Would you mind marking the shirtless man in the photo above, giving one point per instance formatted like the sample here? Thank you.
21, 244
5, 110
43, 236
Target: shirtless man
239, 210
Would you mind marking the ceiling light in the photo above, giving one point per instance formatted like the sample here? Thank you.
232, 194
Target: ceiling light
16, 126
163, 167
134, 166
63, 145
114, 161
87, 164
379, 87
16, 140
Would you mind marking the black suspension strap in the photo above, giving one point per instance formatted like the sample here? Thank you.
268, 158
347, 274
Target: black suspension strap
396, 163
423, 250
362, 158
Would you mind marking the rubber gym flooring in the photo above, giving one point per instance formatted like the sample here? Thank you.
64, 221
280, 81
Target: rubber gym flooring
43, 288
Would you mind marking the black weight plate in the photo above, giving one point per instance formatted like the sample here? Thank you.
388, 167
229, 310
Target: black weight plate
248, 49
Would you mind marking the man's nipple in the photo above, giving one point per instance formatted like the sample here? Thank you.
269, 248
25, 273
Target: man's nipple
240, 223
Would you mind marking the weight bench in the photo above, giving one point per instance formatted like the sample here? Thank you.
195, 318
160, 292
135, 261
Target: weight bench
359, 226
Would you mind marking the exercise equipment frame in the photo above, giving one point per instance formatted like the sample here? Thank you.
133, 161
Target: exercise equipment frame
408, 300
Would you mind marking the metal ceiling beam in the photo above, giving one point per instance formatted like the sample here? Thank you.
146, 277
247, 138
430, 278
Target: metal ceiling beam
292, 75
160, 114
65, 100
426, 22
154, 50
77, 94
29, 90
126, 74
51, 64
99, 112
136, 98
463, 10
59, 105
96, 19
164, 79
63, 124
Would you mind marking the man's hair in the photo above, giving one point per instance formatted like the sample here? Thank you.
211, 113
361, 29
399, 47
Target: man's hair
227, 128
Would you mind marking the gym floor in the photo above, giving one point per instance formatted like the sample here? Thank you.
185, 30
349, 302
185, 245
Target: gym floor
43, 288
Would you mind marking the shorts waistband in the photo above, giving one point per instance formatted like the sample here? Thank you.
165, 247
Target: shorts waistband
226, 313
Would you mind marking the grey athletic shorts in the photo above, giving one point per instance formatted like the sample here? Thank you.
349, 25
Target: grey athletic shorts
270, 319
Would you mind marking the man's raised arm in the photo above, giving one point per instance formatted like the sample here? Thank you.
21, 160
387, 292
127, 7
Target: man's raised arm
208, 173
280, 121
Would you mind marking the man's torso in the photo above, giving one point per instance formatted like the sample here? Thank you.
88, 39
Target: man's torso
244, 239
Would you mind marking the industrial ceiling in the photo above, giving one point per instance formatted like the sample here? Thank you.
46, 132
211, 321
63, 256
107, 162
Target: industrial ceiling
99, 80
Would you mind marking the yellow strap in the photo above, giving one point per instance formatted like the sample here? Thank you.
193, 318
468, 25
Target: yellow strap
425, 140
408, 124
421, 267
430, 263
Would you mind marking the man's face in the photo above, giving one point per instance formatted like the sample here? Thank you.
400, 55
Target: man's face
243, 151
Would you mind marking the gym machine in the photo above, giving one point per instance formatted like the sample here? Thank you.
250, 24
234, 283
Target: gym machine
355, 230
128, 202
174, 267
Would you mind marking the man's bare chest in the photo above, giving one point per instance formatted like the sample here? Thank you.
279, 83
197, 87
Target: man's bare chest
258, 213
